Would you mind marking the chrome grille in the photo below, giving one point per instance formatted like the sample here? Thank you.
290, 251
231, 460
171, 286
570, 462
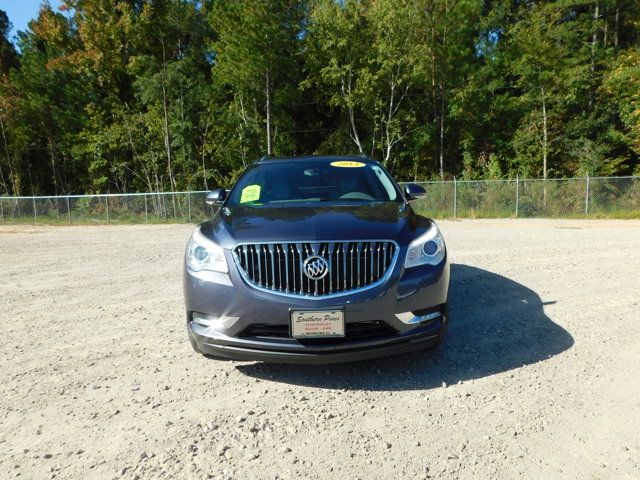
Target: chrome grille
352, 265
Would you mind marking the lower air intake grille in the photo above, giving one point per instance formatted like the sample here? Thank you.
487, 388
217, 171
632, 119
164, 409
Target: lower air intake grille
369, 330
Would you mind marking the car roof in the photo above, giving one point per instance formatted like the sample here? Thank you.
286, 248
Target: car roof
307, 158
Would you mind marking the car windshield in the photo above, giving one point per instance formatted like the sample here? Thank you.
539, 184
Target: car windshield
312, 181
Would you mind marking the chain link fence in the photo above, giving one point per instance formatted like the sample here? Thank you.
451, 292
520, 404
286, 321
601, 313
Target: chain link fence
174, 207
572, 197
526, 198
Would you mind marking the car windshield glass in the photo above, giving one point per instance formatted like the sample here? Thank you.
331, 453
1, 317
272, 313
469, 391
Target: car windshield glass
312, 181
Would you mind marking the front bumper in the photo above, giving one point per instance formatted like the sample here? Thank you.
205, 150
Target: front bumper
235, 307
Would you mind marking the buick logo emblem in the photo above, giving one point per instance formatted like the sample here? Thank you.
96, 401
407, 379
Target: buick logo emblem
315, 267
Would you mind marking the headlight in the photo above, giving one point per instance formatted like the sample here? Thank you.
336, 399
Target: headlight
203, 254
427, 249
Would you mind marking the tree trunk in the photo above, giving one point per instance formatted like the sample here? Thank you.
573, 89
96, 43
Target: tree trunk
204, 168
268, 95
356, 138
243, 114
4, 185
6, 152
444, 60
544, 149
165, 110
605, 28
544, 134
434, 97
387, 132
442, 104
53, 165
14, 174
616, 33
594, 42
167, 141
354, 130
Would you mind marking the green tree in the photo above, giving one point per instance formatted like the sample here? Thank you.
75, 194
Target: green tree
8, 54
49, 106
170, 74
622, 84
8, 60
337, 51
160, 95
255, 62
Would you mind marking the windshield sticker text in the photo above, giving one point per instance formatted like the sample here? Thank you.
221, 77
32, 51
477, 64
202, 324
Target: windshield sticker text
345, 164
250, 193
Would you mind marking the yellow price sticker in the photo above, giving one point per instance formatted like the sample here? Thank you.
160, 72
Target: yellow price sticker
346, 164
250, 193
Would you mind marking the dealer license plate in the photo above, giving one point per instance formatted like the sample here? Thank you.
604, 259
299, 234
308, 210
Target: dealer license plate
315, 324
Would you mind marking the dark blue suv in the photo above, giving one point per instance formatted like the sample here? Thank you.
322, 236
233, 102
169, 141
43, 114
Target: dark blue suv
315, 260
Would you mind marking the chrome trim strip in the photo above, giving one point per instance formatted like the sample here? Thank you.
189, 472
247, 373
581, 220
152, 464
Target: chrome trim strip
273, 266
330, 247
246, 262
301, 269
286, 266
385, 255
359, 259
378, 282
408, 318
371, 261
259, 252
344, 264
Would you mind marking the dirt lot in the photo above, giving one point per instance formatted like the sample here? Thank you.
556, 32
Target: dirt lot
539, 378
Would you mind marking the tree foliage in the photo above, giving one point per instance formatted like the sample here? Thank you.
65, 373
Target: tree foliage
157, 95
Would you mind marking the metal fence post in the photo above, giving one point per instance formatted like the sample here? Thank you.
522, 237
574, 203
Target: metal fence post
517, 195
189, 204
146, 212
455, 197
35, 212
175, 212
586, 199
68, 210
106, 201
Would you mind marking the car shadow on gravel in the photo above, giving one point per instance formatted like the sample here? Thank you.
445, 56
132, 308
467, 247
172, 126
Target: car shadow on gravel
496, 325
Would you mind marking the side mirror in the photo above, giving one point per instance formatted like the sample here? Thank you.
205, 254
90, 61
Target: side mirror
413, 191
216, 197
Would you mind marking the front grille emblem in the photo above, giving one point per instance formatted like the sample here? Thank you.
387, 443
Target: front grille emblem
315, 267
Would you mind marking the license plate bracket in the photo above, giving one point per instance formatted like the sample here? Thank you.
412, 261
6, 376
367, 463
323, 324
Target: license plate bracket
317, 323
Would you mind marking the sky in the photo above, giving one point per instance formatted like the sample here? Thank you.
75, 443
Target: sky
21, 11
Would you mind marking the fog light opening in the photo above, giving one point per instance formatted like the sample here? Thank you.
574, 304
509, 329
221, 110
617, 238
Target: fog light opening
203, 319
429, 317
213, 321
411, 318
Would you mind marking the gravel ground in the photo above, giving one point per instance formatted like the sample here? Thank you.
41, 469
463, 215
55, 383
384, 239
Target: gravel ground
539, 377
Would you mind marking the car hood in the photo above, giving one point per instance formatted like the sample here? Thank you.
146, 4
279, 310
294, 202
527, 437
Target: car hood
387, 221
